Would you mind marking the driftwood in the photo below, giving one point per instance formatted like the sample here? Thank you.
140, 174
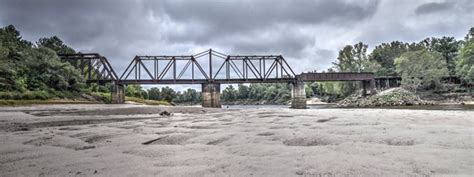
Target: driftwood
153, 140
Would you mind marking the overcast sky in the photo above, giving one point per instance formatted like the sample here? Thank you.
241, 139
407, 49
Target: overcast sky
308, 33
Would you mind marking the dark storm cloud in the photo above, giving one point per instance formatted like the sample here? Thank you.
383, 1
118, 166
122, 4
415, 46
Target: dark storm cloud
242, 26
78, 21
433, 7
112, 28
228, 17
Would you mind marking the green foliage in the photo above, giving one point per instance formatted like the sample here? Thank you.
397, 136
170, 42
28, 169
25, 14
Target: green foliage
465, 60
270, 93
168, 94
447, 47
28, 95
135, 91
352, 58
25, 68
384, 55
104, 88
105, 97
229, 93
154, 94
188, 96
421, 69
55, 44
243, 91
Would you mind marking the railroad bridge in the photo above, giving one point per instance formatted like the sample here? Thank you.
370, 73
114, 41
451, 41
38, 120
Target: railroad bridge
210, 69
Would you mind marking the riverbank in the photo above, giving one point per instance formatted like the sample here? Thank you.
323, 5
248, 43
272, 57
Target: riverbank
135, 140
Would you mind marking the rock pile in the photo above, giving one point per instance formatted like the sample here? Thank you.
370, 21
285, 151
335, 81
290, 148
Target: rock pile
390, 97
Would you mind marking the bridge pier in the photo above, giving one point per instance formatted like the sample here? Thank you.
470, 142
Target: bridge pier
117, 94
211, 95
298, 95
368, 85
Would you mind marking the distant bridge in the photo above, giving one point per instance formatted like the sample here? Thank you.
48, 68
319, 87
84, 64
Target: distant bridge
219, 69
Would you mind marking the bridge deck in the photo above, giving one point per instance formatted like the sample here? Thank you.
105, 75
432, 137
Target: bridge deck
203, 81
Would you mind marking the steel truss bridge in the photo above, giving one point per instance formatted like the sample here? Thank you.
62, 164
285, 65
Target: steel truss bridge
190, 69
209, 68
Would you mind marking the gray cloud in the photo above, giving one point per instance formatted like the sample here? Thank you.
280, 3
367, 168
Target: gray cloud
433, 7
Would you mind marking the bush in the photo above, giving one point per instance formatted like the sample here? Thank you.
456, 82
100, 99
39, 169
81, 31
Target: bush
8, 95
28, 95
105, 97
36, 95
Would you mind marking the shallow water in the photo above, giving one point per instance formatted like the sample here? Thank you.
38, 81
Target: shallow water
334, 106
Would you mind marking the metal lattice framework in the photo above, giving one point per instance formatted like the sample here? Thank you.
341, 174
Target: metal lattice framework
191, 69
198, 69
94, 67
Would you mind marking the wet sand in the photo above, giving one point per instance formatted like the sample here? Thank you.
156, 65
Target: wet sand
135, 140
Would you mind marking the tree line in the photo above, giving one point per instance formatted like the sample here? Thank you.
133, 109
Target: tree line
422, 65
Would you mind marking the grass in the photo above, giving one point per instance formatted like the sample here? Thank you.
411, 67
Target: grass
34, 98
147, 102
34, 102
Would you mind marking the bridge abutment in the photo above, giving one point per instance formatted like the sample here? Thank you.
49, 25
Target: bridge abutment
211, 96
298, 95
117, 94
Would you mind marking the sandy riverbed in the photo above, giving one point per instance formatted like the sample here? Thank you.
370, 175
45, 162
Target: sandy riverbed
133, 140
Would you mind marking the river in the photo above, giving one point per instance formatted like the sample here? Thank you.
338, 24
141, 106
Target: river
334, 106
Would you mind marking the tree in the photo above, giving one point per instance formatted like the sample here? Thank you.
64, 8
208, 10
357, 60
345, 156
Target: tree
465, 59
243, 91
351, 59
448, 47
12, 40
229, 93
134, 91
421, 69
24, 67
154, 93
55, 44
383, 56
188, 96
345, 60
168, 94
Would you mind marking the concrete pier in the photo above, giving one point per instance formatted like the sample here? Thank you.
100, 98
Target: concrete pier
298, 96
368, 87
211, 96
117, 94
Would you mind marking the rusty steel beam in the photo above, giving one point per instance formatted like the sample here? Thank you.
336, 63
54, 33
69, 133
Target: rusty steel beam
339, 76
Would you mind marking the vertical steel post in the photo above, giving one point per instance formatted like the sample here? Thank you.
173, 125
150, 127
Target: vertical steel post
210, 64
174, 69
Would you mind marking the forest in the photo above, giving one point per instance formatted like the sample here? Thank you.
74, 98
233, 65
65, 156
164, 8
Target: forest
33, 70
